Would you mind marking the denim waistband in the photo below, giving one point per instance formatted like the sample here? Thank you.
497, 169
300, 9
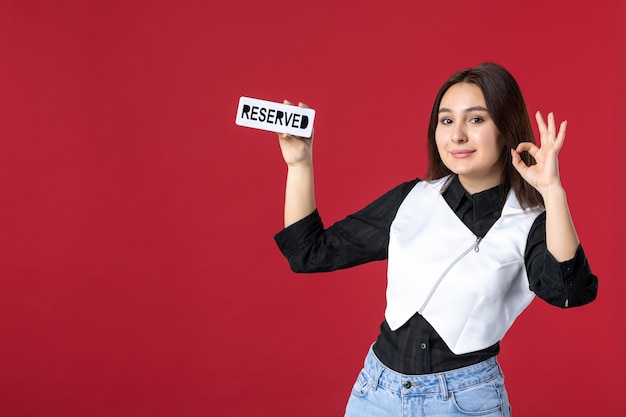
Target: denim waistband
437, 383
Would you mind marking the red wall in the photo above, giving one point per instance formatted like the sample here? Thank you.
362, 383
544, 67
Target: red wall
138, 274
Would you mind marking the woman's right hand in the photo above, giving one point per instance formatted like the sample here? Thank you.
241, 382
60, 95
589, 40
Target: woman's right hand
300, 189
296, 150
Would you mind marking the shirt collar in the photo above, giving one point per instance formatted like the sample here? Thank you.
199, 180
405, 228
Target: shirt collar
483, 203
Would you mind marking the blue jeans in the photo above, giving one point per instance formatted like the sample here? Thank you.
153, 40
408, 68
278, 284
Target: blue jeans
476, 390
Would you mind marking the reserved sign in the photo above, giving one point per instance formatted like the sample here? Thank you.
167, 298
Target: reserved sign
275, 117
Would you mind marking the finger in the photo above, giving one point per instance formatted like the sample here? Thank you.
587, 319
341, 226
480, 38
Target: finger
301, 104
518, 164
551, 125
562, 129
529, 147
541, 124
287, 102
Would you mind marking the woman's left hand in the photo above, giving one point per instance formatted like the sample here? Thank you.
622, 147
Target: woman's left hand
545, 173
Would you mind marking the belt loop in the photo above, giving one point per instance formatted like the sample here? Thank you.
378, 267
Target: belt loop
444, 387
379, 372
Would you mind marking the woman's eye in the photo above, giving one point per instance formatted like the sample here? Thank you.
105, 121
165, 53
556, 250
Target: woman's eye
445, 121
476, 119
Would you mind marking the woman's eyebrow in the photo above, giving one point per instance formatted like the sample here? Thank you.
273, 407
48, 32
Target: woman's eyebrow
467, 110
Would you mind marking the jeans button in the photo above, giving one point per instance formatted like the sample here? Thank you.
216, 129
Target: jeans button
423, 346
406, 385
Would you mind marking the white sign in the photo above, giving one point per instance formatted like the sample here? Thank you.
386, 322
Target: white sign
275, 117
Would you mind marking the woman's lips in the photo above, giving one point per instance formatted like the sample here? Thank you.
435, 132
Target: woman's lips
461, 153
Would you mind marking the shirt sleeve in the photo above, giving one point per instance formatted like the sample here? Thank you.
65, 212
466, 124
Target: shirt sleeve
359, 238
563, 284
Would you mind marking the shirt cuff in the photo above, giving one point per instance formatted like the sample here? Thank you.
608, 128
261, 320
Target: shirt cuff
294, 237
566, 270
574, 277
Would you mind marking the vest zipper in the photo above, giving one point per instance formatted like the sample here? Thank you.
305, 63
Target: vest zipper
474, 247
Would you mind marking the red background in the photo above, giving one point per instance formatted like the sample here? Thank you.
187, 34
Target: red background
138, 272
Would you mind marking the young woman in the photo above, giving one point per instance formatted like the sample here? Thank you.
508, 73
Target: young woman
468, 248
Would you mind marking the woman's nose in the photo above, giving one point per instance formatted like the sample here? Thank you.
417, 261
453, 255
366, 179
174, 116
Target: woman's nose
459, 135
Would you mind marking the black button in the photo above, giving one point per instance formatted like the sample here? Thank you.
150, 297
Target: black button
569, 283
407, 385
423, 346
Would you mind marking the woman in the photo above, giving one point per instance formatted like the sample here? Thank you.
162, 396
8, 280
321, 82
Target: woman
454, 287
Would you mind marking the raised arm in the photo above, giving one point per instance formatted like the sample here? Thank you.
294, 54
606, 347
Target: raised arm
300, 188
561, 238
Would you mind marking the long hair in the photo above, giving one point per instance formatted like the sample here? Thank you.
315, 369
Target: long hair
507, 108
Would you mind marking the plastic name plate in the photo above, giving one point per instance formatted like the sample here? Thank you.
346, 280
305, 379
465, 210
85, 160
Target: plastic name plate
275, 117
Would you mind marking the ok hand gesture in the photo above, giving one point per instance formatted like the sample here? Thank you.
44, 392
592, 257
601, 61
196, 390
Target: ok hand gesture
545, 173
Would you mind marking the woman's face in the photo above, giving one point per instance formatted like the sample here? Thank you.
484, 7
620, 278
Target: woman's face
467, 138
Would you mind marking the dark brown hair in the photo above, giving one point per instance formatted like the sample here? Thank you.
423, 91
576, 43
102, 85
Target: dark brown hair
507, 108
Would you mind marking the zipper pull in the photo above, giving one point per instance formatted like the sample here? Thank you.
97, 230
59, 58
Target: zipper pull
476, 248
